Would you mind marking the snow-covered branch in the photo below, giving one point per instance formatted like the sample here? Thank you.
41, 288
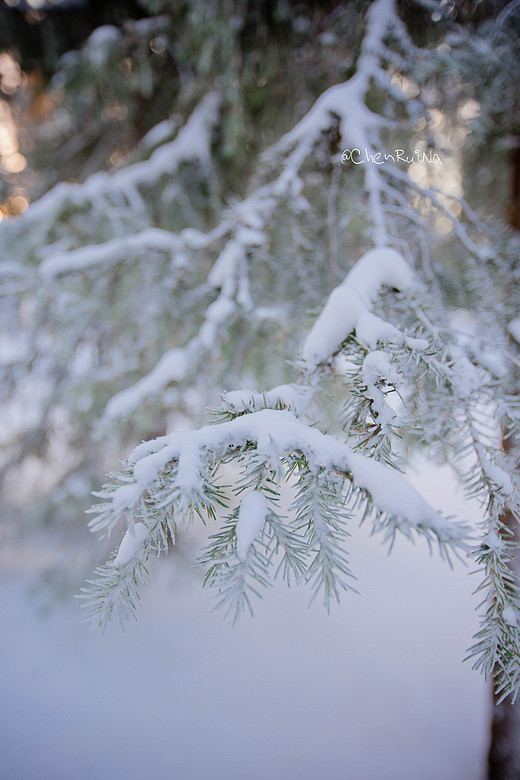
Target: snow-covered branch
188, 284
120, 188
348, 309
167, 477
116, 250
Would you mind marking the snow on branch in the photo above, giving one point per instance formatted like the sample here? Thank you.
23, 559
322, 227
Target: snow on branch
117, 249
348, 308
193, 142
243, 229
388, 344
172, 367
177, 471
358, 126
275, 434
295, 397
346, 100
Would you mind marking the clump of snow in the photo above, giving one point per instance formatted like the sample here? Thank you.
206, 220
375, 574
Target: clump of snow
514, 328
337, 320
194, 239
147, 448
251, 518
251, 237
493, 541
495, 473
292, 396
226, 263
219, 310
348, 307
124, 498
381, 267
509, 616
465, 377
377, 372
370, 329
131, 544
189, 467
158, 134
491, 360
100, 43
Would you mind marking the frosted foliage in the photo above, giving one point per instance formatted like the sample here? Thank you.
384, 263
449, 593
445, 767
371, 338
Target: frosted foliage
191, 143
131, 544
378, 372
514, 329
495, 473
383, 267
251, 519
294, 397
145, 293
384, 334
277, 433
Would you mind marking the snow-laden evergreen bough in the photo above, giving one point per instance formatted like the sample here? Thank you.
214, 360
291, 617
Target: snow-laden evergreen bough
444, 384
269, 438
405, 368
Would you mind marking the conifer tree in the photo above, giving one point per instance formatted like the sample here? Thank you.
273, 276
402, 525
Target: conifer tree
183, 276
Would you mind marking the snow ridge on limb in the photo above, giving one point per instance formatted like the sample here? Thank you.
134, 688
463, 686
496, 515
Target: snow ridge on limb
172, 367
295, 397
276, 433
192, 142
348, 309
117, 249
346, 100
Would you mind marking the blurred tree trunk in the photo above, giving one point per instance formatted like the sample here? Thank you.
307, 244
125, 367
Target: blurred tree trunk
504, 751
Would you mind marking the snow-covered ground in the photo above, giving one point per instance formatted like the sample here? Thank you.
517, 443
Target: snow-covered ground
374, 691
